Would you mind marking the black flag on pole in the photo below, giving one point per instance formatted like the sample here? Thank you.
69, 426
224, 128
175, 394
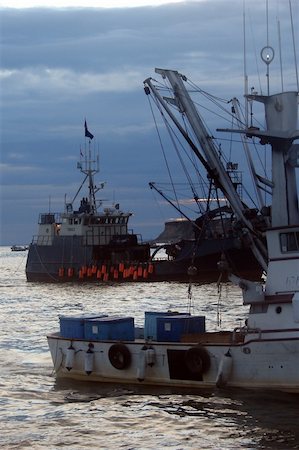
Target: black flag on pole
87, 133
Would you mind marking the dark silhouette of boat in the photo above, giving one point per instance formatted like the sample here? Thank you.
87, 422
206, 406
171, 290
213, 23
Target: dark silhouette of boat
91, 242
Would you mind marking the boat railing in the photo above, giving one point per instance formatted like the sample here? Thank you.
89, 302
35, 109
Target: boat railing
109, 235
138, 235
243, 331
42, 240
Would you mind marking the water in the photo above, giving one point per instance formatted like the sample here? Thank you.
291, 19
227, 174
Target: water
38, 412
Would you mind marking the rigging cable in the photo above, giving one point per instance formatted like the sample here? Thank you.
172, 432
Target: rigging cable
162, 147
171, 134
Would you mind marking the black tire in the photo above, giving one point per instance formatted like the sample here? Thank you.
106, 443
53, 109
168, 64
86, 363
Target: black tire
197, 360
119, 356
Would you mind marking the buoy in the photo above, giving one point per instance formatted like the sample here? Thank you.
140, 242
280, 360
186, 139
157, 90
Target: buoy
84, 270
150, 356
81, 275
94, 269
70, 272
61, 271
141, 364
99, 274
88, 361
69, 359
115, 274
121, 267
224, 371
89, 272
145, 273
139, 271
106, 277
103, 269
135, 275
150, 268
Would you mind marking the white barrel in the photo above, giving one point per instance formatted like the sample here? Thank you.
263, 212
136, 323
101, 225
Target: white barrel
224, 371
69, 358
150, 356
88, 362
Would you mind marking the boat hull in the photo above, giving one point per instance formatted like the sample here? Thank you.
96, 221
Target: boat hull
64, 261
256, 364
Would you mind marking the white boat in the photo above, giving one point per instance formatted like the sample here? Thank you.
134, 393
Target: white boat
19, 248
177, 349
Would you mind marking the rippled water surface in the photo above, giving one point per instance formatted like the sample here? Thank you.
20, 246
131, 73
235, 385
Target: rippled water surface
38, 412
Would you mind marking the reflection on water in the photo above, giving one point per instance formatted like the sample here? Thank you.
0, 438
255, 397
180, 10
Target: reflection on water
37, 411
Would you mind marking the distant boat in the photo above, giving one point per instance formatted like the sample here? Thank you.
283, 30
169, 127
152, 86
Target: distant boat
90, 242
19, 248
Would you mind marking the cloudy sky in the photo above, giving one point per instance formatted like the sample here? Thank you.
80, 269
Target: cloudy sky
64, 61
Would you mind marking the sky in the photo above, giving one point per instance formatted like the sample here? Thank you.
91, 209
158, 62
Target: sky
67, 61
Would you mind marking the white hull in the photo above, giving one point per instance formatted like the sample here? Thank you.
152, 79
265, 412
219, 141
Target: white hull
255, 364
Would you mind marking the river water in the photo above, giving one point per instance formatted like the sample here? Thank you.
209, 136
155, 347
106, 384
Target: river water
38, 412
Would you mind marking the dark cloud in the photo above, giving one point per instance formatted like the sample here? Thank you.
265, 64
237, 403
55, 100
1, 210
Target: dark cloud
60, 66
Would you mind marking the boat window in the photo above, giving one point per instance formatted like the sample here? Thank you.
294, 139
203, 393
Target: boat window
289, 242
47, 219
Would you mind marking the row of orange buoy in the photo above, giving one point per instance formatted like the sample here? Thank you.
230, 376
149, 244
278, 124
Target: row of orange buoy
106, 272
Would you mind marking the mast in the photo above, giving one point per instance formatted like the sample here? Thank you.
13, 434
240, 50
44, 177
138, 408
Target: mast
89, 166
281, 111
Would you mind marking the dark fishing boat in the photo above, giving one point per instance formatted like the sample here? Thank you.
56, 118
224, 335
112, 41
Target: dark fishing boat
91, 242
88, 243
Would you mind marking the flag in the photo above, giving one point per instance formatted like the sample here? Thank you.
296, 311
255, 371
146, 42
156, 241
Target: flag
87, 133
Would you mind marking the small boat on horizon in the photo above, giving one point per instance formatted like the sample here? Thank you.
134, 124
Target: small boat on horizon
19, 248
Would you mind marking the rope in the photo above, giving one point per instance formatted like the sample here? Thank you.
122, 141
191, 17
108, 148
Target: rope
219, 312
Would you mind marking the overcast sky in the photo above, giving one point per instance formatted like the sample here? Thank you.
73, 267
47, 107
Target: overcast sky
62, 65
